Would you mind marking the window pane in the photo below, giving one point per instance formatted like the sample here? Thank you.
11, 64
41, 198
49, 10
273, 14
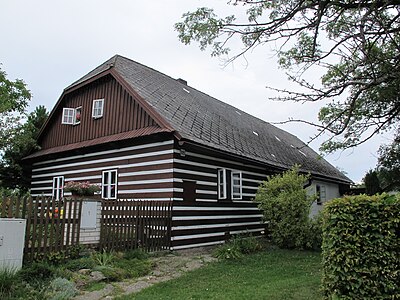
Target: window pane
113, 177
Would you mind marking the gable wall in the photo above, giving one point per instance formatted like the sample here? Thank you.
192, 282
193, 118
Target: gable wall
121, 114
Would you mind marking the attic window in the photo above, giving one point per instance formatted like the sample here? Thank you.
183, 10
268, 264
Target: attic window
255, 133
97, 111
277, 138
187, 91
238, 113
71, 116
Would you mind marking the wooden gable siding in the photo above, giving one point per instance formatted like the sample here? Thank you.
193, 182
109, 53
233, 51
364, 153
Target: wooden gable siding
145, 170
121, 113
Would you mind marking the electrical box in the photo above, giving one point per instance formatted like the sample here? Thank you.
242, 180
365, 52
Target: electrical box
89, 215
12, 240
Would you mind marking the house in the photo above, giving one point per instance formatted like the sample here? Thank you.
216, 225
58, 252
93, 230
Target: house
141, 134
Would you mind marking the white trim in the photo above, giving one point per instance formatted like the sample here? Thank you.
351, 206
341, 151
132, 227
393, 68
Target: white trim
161, 190
253, 180
65, 114
206, 192
43, 181
221, 183
150, 181
240, 186
194, 172
250, 187
58, 187
101, 108
109, 184
91, 162
106, 152
150, 172
43, 194
183, 218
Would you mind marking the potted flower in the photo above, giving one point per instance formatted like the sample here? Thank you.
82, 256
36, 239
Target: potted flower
81, 188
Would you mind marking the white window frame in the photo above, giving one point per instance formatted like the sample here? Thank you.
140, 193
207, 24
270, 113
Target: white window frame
321, 194
76, 121
236, 196
222, 184
97, 112
109, 184
70, 117
58, 187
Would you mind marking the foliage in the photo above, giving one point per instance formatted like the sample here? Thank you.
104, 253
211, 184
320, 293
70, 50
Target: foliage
80, 263
361, 248
136, 253
356, 43
61, 289
104, 258
372, 184
273, 274
237, 246
112, 273
134, 267
13, 172
389, 165
37, 271
8, 281
81, 188
228, 251
286, 208
14, 98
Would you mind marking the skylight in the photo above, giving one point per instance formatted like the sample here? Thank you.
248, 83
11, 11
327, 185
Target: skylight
277, 138
238, 112
302, 153
255, 133
187, 91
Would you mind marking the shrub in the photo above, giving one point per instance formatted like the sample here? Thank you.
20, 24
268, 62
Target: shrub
61, 289
228, 251
134, 267
237, 246
103, 258
80, 263
361, 248
8, 281
286, 208
136, 253
37, 271
112, 273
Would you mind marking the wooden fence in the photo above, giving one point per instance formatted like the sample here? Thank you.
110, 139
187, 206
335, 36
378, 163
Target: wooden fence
50, 225
128, 224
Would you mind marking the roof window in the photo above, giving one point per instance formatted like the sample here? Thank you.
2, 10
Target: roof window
278, 138
238, 112
186, 90
255, 133
71, 116
97, 111
302, 153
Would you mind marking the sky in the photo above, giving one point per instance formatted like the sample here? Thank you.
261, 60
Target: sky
50, 44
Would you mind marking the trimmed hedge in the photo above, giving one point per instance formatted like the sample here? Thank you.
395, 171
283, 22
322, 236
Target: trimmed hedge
361, 248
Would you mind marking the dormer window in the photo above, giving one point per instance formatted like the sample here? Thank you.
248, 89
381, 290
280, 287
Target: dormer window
71, 116
97, 111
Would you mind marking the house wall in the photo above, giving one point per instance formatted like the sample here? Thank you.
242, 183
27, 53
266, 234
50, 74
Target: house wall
121, 113
145, 170
332, 192
207, 220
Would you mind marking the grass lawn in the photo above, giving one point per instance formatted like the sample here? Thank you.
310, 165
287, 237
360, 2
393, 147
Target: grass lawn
274, 274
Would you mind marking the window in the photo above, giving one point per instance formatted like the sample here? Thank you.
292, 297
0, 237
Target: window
71, 116
321, 194
109, 185
97, 111
58, 187
222, 183
236, 184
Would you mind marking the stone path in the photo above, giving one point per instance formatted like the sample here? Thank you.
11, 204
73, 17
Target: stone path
166, 268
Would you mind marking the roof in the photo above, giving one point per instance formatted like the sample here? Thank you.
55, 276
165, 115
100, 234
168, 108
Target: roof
203, 119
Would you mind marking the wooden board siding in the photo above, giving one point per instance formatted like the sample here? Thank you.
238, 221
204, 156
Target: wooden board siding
121, 113
210, 223
145, 171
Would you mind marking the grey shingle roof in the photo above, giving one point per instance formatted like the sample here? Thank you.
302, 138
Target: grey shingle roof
201, 118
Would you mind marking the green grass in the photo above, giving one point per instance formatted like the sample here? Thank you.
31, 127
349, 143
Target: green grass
274, 274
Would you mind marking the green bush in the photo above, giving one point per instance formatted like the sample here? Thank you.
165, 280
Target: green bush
228, 251
237, 246
61, 289
80, 263
104, 258
37, 271
361, 248
134, 267
112, 273
286, 208
8, 282
136, 253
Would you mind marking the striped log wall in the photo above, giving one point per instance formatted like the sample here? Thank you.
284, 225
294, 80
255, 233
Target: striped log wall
145, 171
207, 221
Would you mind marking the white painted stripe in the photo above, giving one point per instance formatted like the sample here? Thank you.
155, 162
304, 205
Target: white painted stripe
105, 152
196, 245
96, 161
42, 188
140, 191
150, 172
252, 180
227, 225
219, 159
43, 181
206, 192
250, 187
196, 236
183, 218
150, 181
191, 208
42, 194
247, 230
249, 194
83, 178
195, 172
206, 200
147, 163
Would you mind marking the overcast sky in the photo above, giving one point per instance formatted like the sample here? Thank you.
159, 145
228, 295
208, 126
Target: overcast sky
50, 44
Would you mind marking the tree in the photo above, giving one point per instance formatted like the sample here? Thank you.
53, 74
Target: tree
14, 98
286, 208
356, 42
389, 165
13, 172
372, 184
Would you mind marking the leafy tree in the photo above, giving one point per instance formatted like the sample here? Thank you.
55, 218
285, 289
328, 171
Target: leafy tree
356, 42
372, 184
389, 165
14, 98
286, 207
13, 172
